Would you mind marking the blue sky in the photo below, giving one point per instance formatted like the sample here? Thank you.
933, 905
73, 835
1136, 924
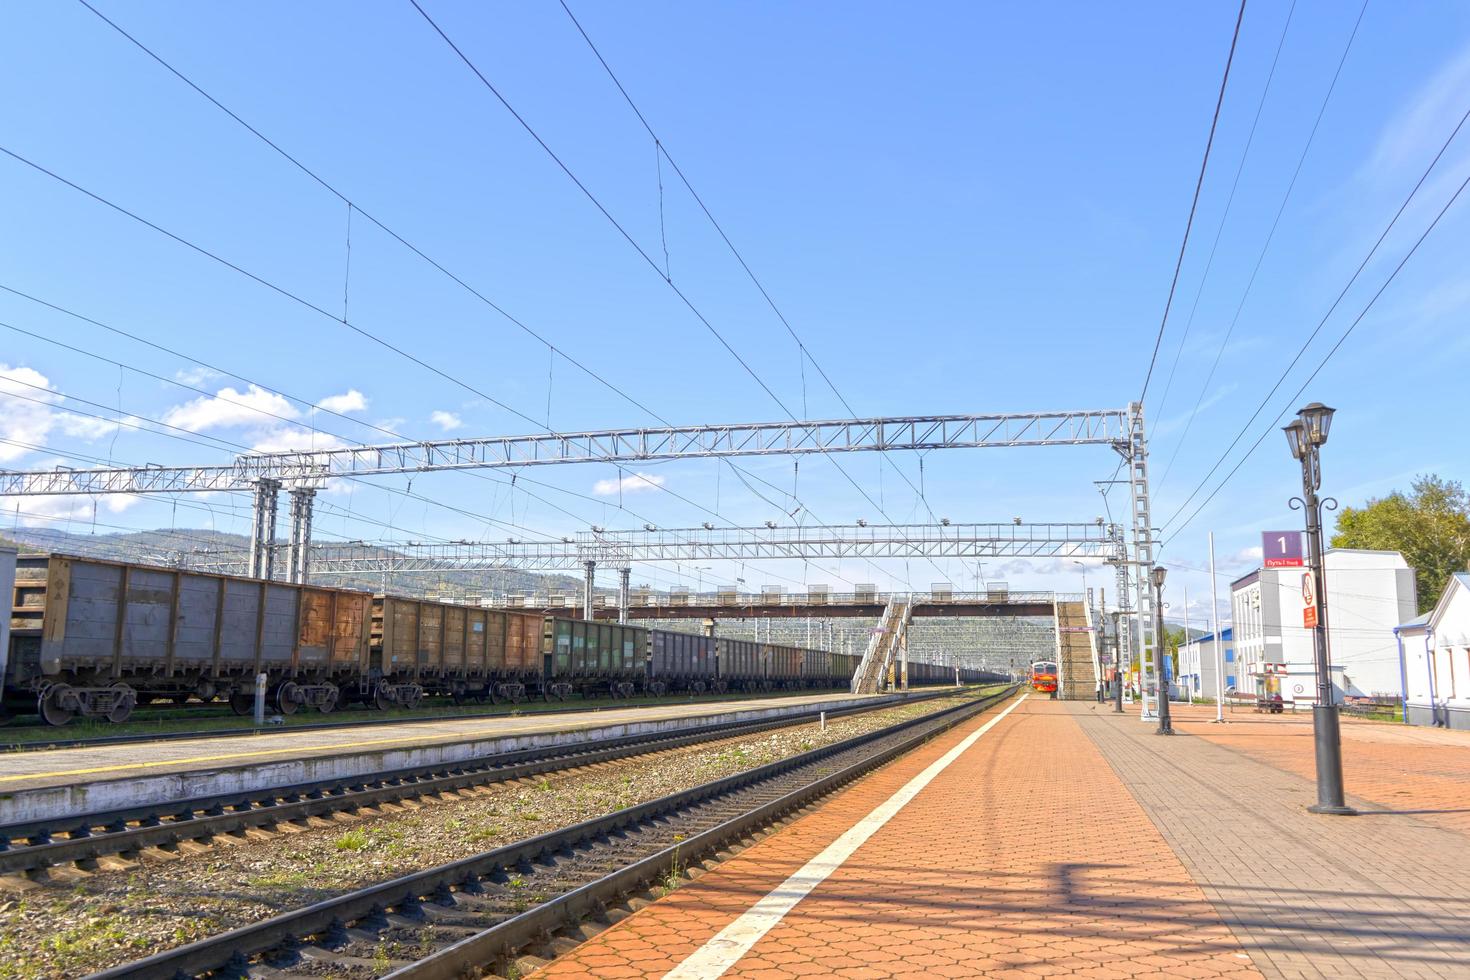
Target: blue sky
958, 207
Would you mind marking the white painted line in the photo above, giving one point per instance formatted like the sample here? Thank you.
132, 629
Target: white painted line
735, 940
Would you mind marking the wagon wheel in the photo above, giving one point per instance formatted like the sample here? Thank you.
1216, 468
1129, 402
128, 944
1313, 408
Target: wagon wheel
242, 704
49, 706
328, 704
382, 697
285, 698
123, 709
459, 695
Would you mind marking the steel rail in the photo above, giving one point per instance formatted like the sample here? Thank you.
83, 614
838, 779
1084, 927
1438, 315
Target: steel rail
411, 895
376, 718
129, 830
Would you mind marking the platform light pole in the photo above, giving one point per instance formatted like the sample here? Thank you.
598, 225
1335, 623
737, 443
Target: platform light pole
1306, 436
1161, 652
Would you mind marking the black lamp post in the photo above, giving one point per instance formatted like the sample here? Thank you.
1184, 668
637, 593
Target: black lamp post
1161, 651
1306, 437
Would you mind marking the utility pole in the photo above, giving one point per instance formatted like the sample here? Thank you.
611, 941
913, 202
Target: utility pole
1219, 642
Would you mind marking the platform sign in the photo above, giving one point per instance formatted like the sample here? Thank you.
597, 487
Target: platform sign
1309, 601
1281, 549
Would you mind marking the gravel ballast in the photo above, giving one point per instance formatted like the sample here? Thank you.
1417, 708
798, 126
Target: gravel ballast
78, 922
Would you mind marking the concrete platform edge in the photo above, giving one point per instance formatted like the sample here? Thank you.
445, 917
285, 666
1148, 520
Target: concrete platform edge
69, 801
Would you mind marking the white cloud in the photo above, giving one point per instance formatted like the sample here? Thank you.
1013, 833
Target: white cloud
1246, 556
229, 408
23, 421
292, 438
1417, 130
627, 484
195, 376
48, 510
391, 424
30, 418
82, 427
448, 421
351, 401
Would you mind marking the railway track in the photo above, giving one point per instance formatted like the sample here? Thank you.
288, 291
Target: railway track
81, 840
478, 913
375, 718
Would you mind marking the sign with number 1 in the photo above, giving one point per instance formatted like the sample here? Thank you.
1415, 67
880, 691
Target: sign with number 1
1281, 549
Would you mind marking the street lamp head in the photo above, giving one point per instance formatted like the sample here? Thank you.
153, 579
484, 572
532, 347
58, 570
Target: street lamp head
1157, 575
1296, 438
1317, 418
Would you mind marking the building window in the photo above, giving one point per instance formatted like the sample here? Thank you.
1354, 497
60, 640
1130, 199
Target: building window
1229, 656
1229, 680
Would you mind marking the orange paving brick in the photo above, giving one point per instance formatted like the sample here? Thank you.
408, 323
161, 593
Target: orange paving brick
1308, 895
1026, 857
1397, 768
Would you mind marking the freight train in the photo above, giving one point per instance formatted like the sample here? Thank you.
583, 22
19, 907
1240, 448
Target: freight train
95, 638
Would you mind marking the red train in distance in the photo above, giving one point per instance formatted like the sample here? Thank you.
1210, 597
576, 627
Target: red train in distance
1044, 676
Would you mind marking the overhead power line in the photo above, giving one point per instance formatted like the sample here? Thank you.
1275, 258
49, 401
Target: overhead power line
647, 258
1328, 356
1265, 246
661, 148
1158, 411
1194, 204
436, 264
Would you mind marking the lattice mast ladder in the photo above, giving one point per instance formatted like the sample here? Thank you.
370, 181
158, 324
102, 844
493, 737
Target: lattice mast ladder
1143, 559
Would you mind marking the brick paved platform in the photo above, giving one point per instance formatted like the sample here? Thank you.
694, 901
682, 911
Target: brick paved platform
1068, 840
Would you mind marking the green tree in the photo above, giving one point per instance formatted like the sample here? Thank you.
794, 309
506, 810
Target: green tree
1430, 527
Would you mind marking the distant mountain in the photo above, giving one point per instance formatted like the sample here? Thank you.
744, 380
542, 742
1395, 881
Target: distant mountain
198, 547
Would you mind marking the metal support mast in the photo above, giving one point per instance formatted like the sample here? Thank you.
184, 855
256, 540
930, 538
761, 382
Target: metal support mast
1143, 558
623, 576
299, 547
263, 529
587, 589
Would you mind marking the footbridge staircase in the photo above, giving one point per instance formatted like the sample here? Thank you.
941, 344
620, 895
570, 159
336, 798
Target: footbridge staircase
1077, 663
878, 669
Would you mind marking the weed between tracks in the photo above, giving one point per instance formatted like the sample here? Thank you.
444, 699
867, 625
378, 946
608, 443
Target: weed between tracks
69, 925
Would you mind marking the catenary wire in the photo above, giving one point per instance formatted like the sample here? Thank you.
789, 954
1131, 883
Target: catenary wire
648, 259
1328, 356
1194, 205
1331, 309
392, 233
1224, 219
1266, 245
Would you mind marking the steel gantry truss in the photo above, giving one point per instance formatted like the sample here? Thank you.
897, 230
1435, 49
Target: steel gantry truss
621, 549
306, 471
915, 432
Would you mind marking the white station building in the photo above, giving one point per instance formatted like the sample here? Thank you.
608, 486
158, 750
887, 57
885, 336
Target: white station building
1368, 594
1434, 652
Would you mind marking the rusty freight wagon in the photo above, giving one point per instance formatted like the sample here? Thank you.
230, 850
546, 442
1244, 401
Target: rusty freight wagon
591, 658
468, 653
93, 637
783, 666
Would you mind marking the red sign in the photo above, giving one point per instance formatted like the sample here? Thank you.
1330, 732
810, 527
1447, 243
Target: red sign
1309, 617
1281, 549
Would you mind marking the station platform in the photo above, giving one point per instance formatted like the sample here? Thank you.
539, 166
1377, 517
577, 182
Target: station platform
1060, 838
57, 782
